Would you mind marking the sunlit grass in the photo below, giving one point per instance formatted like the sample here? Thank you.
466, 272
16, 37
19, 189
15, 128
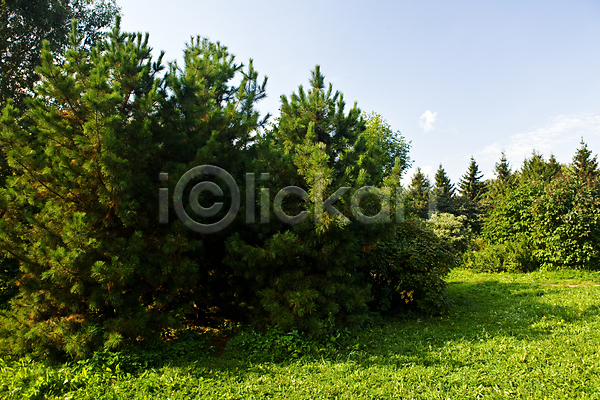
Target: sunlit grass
507, 336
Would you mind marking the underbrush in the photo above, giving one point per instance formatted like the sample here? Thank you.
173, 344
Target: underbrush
514, 256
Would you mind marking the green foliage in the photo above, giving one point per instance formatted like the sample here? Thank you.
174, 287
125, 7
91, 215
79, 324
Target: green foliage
566, 224
25, 24
470, 185
504, 181
455, 230
443, 191
80, 211
502, 170
417, 195
388, 150
407, 269
584, 165
555, 214
536, 169
511, 216
509, 256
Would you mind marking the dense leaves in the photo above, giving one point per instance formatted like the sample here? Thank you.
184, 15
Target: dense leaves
25, 24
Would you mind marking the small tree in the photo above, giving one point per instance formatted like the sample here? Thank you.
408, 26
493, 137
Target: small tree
504, 181
536, 168
470, 185
418, 194
584, 165
502, 170
443, 190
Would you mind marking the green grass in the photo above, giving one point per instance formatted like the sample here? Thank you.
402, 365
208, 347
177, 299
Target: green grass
507, 336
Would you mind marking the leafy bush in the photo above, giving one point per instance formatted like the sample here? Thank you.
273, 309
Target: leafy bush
511, 256
408, 267
511, 215
556, 222
566, 224
453, 229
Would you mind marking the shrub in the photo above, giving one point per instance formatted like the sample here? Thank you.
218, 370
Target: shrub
452, 229
407, 269
510, 256
566, 224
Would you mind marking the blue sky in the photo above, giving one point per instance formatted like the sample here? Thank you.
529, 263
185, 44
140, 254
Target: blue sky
456, 78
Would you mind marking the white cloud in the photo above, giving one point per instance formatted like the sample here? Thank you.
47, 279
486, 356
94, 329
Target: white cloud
561, 137
427, 119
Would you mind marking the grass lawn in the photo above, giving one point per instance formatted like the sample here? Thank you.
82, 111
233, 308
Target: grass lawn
508, 336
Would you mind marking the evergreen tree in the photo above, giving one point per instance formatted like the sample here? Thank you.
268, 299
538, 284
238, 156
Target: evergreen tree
536, 168
584, 165
80, 214
418, 194
502, 170
311, 275
444, 191
504, 180
470, 185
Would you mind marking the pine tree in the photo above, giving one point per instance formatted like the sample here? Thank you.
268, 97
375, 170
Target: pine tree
470, 185
80, 214
418, 194
502, 170
504, 180
536, 168
444, 190
311, 275
583, 164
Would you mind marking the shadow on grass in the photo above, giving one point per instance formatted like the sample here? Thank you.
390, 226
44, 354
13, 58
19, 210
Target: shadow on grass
482, 311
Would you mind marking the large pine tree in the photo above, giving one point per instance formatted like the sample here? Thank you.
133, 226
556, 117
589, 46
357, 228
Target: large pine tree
311, 275
81, 213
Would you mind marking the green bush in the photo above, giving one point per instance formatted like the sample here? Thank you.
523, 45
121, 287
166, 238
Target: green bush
511, 256
407, 269
566, 224
455, 230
